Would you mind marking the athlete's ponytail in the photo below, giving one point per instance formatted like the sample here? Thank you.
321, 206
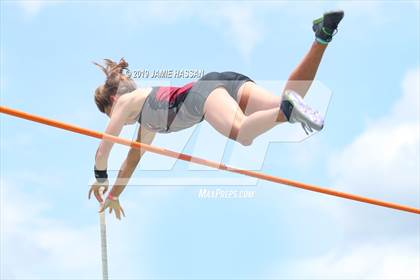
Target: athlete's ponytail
116, 83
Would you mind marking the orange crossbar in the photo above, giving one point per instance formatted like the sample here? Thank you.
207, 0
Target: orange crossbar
169, 153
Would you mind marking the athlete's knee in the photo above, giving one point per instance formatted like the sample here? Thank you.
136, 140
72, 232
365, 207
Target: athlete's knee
244, 141
237, 134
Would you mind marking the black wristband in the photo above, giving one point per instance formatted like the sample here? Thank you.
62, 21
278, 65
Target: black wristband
101, 175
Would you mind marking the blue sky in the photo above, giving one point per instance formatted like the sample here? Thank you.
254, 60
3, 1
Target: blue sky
369, 78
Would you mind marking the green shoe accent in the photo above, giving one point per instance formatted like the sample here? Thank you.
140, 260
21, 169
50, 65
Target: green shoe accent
322, 42
325, 27
327, 32
318, 20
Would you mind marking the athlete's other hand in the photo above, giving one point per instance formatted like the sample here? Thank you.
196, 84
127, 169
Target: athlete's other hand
113, 204
98, 189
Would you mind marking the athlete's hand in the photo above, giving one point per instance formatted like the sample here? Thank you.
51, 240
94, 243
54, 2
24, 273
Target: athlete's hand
97, 191
113, 204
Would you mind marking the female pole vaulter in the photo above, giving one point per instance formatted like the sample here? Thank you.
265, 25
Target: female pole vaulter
230, 102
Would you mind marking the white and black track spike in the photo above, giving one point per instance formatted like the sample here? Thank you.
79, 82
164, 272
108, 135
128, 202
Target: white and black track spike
296, 111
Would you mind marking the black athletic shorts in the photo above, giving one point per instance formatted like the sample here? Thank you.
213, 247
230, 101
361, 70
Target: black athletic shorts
169, 109
202, 88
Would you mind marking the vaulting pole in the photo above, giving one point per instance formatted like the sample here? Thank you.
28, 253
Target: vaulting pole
169, 153
104, 247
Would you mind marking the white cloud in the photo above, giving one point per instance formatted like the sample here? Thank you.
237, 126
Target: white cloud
372, 10
33, 7
238, 23
371, 242
30, 241
407, 108
379, 261
384, 160
243, 27
241, 24
36, 244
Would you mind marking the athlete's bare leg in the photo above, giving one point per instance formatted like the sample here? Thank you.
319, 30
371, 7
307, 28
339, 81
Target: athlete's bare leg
257, 110
253, 98
262, 109
224, 114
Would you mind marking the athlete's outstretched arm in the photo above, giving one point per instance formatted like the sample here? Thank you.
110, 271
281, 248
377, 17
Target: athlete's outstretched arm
133, 158
131, 162
119, 117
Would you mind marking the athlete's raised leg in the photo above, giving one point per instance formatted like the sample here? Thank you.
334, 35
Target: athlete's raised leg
253, 98
225, 115
300, 80
263, 110
303, 75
